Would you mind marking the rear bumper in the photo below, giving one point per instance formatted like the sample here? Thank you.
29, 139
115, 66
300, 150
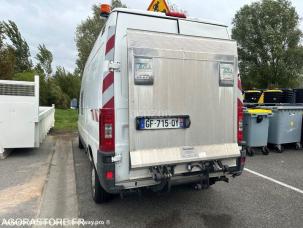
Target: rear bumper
105, 164
175, 180
178, 155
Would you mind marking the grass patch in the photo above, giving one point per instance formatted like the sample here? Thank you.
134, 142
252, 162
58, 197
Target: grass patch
66, 120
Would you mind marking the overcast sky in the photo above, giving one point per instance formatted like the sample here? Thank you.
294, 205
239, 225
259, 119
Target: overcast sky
53, 22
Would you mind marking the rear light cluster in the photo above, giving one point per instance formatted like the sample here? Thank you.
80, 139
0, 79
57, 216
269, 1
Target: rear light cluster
107, 130
109, 175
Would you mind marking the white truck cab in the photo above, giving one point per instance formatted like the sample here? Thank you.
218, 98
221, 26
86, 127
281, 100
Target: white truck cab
160, 104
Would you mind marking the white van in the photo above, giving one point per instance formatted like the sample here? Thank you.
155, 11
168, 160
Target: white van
160, 104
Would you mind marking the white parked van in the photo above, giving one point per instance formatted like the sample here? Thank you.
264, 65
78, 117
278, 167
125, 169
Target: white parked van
160, 104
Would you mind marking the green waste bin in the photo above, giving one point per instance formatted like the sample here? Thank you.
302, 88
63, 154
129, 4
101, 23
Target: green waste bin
255, 129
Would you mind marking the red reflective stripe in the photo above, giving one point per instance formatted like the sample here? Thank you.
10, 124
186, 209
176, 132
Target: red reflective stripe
110, 44
109, 104
108, 81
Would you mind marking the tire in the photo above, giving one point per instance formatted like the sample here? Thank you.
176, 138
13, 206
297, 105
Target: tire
265, 150
98, 193
250, 152
81, 146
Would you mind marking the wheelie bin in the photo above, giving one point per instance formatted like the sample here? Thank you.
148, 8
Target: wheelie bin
252, 96
255, 130
285, 126
273, 96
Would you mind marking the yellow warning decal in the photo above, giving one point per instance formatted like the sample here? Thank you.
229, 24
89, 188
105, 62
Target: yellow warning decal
158, 6
259, 111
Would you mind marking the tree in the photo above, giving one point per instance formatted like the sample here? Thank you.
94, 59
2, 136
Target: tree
2, 34
118, 4
175, 8
7, 63
87, 33
25, 76
7, 57
269, 48
45, 59
22, 53
55, 95
69, 83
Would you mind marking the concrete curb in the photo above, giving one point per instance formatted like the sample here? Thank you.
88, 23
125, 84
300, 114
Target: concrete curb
59, 198
49, 162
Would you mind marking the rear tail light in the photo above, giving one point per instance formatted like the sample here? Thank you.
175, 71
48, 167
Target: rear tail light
240, 115
109, 175
107, 130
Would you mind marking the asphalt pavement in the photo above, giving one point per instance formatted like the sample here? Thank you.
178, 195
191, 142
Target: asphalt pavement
59, 197
54, 182
23, 175
247, 201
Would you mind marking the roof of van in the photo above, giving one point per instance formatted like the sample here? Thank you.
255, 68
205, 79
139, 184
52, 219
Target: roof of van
158, 14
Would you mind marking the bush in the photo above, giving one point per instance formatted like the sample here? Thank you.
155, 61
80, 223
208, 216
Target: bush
56, 96
25, 76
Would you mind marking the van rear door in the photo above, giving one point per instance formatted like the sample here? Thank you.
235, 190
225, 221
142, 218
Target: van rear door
182, 102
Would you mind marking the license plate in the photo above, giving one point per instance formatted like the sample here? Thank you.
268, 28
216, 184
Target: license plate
152, 123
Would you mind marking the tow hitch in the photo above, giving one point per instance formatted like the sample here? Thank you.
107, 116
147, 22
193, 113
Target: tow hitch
204, 168
204, 182
160, 173
163, 175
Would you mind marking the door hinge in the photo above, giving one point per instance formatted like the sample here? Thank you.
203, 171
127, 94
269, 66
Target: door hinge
114, 66
117, 158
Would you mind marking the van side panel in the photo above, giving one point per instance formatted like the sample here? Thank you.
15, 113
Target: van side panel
91, 92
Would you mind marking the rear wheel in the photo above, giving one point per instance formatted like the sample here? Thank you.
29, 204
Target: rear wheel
98, 193
80, 143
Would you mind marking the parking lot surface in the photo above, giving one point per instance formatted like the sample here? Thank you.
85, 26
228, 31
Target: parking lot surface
247, 201
54, 181
22, 179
